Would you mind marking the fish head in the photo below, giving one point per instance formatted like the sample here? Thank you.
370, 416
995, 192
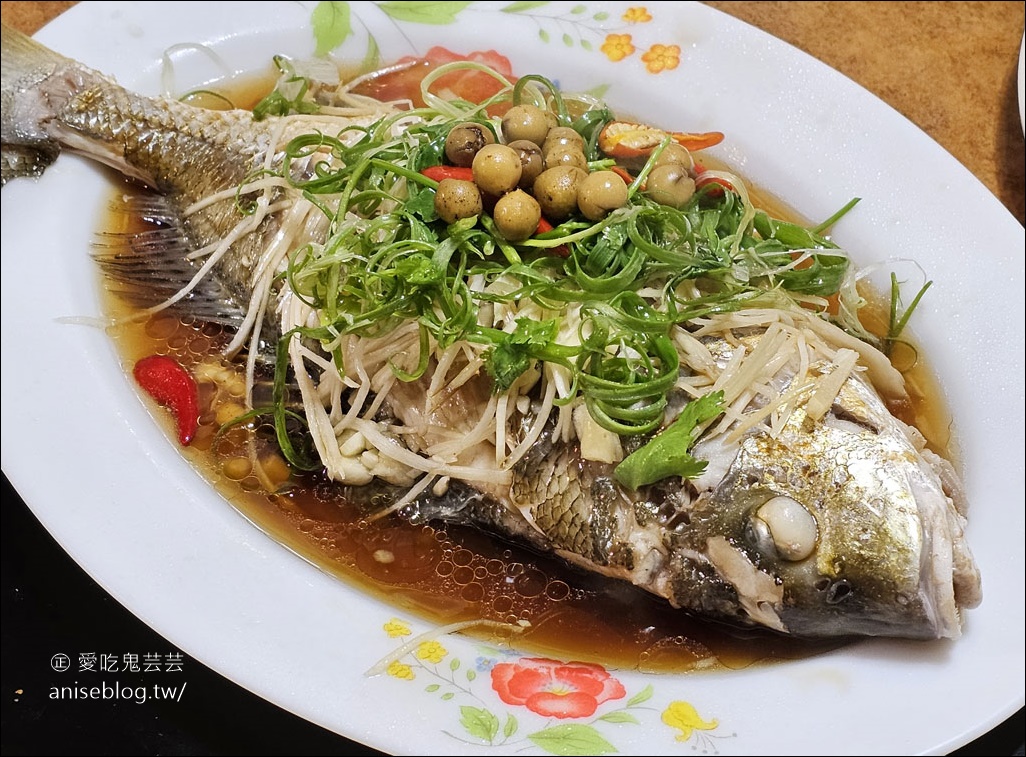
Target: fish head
829, 527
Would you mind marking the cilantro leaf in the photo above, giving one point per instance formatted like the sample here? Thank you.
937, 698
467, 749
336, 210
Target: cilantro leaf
512, 354
668, 453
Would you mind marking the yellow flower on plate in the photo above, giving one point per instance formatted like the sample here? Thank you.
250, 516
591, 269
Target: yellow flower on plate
685, 718
617, 47
431, 651
395, 628
401, 670
637, 15
661, 58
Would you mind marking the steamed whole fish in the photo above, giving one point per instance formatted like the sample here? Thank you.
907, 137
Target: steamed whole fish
817, 512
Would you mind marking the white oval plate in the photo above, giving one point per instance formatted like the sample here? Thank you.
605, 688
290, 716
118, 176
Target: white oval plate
111, 487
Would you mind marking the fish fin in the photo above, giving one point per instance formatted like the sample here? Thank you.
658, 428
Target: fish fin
463, 505
148, 266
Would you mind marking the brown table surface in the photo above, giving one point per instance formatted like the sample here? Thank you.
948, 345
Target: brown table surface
950, 67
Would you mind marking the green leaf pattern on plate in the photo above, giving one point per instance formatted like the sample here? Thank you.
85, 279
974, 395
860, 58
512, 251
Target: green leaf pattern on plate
572, 739
570, 708
523, 7
479, 723
332, 26
438, 14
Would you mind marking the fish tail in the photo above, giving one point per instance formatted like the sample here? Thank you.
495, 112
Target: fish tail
27, 148
185, 153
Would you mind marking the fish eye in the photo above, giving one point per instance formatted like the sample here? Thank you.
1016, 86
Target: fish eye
783, 527
758, 534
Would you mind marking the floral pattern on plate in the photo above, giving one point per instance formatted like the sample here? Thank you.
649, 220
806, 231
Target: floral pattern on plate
506, 699
619, 38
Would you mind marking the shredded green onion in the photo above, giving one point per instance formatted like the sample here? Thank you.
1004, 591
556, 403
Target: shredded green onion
625, 281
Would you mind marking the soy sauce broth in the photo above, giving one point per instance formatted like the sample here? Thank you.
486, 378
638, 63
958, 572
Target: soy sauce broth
444, 574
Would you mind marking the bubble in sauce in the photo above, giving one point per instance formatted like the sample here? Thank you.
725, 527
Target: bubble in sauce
531, 583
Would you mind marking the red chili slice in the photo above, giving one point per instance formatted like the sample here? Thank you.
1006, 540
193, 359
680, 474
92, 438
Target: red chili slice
624, 174
560, 251
164, 379
438, 173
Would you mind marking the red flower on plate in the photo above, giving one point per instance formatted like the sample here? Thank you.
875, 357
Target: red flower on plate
555, 689
471, 85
